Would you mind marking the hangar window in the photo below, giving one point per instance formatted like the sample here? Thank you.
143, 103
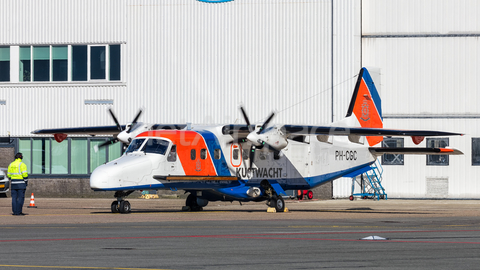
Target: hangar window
4, 64
475, 151
41, 63
59, 63
25, 69
392, 159
73, 156
437, 160
97, 62
79, 63
75, 63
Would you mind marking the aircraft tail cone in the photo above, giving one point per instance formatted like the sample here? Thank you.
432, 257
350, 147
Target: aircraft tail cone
32, 202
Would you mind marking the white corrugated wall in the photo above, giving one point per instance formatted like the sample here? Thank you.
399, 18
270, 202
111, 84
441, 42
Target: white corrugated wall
428, 55
188, 61
200, 61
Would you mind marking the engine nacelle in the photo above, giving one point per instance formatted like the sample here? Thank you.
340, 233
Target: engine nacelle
254, 192
273, 136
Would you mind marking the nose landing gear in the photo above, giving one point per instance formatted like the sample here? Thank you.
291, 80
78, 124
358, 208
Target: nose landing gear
120, 205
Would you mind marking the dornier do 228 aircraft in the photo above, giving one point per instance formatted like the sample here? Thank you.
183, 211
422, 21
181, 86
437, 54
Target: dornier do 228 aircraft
246, 162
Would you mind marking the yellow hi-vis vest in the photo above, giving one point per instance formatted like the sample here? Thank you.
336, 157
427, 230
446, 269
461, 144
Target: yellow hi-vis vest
17, 172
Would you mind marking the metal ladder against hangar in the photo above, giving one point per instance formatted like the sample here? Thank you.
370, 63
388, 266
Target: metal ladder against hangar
370, 183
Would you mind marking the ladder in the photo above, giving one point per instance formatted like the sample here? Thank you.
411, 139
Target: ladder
370, 183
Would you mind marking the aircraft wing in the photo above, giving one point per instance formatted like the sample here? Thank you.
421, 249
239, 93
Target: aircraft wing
328, 130
99, 130
414, 151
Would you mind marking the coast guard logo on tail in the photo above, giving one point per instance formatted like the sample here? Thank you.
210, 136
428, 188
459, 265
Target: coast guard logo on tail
365, 110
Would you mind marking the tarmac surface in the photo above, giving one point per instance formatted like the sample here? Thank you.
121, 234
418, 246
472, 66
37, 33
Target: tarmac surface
84, 234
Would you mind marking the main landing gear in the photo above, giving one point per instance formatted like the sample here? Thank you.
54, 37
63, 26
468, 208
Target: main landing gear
120, 205
194, 203
274, 200
277, 202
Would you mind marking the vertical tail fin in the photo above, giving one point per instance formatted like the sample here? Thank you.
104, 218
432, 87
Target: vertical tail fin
366, 105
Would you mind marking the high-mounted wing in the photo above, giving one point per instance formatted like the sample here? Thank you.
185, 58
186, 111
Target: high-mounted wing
123, 133
92, 131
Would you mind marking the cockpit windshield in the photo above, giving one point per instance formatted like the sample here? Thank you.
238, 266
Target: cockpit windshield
156, 146
134, 145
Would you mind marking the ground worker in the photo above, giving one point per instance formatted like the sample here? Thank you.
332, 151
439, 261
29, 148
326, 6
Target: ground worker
17, 172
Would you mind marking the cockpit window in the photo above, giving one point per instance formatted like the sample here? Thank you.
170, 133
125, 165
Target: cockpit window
156, 146
134, 145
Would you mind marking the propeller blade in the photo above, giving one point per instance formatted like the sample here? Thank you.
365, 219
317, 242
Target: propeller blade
115, 119
111, 141
134, 120
252, 155
266, 123
138, 116
245, 117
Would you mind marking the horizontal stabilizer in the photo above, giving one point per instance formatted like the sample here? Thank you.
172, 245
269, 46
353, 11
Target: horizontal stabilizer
414, 151
327, 130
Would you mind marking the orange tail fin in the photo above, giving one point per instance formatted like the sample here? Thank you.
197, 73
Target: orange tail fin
366, 105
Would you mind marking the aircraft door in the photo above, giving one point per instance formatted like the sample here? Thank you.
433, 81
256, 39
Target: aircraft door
236, 155
170, 165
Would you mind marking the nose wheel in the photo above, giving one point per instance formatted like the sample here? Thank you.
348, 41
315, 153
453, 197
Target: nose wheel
123, 207
120, 205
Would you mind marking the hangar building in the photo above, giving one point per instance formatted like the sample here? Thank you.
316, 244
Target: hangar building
64, 63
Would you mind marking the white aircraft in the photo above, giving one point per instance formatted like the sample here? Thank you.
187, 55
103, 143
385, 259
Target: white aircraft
246, 162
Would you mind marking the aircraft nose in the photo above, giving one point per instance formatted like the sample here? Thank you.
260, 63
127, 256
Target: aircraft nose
99, 178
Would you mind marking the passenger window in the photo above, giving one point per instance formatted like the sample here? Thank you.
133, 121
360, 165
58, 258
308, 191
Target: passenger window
193, 154
172, 156
203, 154
217, 154
245, 153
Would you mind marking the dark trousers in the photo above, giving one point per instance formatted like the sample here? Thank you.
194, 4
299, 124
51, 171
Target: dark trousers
18, 198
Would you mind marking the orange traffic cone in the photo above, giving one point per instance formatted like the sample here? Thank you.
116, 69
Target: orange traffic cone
32, 202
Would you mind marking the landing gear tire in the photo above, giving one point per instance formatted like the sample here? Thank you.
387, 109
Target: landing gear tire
120, 205
278, 203
191, 202
114, 207
125, 207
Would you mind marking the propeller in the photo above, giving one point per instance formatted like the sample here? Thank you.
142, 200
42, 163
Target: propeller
257, 141
123, 134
